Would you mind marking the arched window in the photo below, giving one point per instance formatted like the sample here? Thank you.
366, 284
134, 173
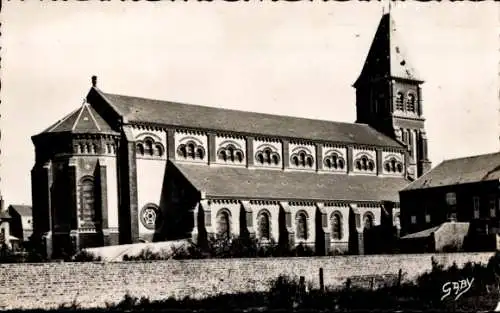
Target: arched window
371, 165
230, 152
340, 164
239, 156
264, 225
410, 103
222, 155
387, 167
276, 159
260, 158
158, 151
358, 165
190, 150
368, 221
148, 147
224, 224
302, 225
200, 153
399, 101
400, 167
87, 196
310, 161
295, 160
267, 154
140, 149
328, 163
182, 152
336, 225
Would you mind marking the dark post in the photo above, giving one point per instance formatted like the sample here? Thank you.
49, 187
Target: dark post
321, 282
400, 274
372, 282
348, 284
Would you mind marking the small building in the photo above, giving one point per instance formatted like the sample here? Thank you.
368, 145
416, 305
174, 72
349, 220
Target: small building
462, 190
21, 225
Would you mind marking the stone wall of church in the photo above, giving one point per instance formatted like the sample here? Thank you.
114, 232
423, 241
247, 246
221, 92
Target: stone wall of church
151, 160
112, 197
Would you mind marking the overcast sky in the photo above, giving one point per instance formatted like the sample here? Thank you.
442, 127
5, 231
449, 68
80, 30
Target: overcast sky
297, 59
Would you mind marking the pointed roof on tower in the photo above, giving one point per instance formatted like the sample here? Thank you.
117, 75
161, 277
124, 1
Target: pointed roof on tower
387, 57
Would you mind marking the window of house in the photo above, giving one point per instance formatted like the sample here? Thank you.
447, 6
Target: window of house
336, 225
476, 202
427, 218
413, 219
451, 198
493, 208
302, 225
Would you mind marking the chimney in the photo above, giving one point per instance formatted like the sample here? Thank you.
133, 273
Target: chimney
94, 81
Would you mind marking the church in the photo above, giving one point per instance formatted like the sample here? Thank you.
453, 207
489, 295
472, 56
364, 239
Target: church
123, 169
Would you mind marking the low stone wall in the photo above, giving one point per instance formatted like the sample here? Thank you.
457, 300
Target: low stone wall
48, 285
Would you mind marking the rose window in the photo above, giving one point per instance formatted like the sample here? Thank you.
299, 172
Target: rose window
149, 216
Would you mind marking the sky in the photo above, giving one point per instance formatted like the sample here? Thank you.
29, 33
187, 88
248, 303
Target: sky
288, 58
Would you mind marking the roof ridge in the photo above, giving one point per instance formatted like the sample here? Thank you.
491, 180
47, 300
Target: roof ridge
475, 156
92, 116
78, 117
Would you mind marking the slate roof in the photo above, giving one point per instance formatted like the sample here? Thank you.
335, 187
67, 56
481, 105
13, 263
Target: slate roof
240, 182
387, 55
421, 234
23, 210
85, 119
445, 230
484, 167
144, 110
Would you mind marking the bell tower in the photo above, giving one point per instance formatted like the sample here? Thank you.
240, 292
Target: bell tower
389, 96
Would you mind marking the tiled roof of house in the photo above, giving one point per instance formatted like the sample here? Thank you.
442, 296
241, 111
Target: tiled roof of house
85, 119
471, 169
387, 56
143, 110
23, 210
241, 182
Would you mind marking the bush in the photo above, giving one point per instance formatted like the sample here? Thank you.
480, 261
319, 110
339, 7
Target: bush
85, 256
284, 292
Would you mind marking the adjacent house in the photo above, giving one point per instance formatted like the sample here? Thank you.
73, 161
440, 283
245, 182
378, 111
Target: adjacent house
463, 190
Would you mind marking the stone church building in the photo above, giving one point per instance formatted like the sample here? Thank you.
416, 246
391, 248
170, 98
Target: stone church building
123, 169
